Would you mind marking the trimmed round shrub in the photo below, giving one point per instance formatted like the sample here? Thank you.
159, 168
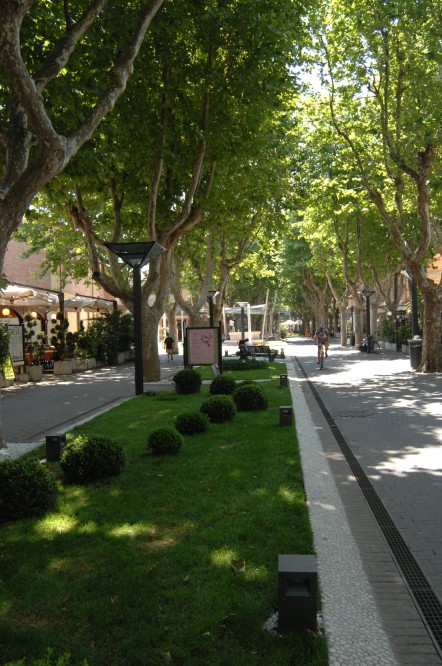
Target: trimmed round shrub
192, 423
91, 458
165, 441
187, 381
219, 408
250, 398
222, 385
27, 489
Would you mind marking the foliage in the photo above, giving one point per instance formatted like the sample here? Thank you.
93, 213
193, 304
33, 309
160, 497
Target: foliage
4, 342
222, 384
243, 364
27, 489
187, 380
62, 340
219, 408
86, 342
90, 458
107, 336
387, 330
36, 347
165, 441
250, 397
48, 660
404, 332
191, 423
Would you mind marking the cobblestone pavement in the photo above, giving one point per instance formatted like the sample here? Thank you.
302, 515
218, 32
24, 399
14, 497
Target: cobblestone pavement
391, 418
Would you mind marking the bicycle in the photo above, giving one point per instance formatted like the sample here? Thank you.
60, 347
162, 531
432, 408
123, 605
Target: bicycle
322, 354
371, 345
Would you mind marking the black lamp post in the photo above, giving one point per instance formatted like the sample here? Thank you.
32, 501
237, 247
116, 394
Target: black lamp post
210, 295
242, 305
137, 255
367, 293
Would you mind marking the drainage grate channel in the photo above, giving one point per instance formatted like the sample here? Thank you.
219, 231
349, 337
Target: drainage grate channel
426, 601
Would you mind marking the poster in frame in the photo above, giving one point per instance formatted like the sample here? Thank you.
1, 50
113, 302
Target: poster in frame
203, 346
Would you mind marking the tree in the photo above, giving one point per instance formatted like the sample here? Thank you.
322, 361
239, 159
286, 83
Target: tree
210, 92
382, 70
37, 68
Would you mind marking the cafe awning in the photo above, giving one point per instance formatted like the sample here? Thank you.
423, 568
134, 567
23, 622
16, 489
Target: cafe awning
27, 297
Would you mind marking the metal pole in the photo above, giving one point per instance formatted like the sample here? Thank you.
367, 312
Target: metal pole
242, 322
367, 305
138, 337
210, 299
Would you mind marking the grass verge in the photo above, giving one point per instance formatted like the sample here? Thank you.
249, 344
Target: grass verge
175, 560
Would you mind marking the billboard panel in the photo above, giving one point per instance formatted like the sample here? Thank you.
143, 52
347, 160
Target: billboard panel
202, 346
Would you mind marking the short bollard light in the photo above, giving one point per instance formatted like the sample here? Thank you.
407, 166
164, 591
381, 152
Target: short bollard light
283, 380
297, 592
285, 415
54, 446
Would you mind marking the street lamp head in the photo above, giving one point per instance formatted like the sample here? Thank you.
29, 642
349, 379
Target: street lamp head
211, 293
367, 292
136, 255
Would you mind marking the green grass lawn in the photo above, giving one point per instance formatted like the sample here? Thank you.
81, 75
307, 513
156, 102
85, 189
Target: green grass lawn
173, 561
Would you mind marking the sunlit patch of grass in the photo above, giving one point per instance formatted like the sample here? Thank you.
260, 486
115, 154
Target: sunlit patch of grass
177, 556
288, 495
54, 524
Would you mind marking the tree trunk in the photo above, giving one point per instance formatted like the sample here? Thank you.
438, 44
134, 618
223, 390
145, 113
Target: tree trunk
358, 325
151, 361
172, 324
430, 331
343, 324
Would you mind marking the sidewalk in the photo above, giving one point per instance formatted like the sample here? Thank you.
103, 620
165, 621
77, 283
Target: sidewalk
387, 421
31, 411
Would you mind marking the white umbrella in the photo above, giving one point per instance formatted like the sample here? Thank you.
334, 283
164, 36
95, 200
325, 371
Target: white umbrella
288, 322
26, 297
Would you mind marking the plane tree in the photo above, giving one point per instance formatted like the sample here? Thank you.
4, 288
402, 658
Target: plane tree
381, 69
208, 154
61, 71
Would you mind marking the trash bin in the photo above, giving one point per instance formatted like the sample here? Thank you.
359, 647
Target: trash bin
415, 346
352, 339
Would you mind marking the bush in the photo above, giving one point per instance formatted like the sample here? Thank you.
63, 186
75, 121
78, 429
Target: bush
250, 398
27, 489
192, 423
219, 408
165, 441
90, 458
244, 364
222, 385
187, 381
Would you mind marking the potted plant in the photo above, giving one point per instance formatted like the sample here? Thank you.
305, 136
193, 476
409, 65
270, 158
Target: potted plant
34, 347
63, 343
86, 347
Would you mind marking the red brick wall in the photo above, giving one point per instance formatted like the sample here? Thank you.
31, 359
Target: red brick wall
20, 271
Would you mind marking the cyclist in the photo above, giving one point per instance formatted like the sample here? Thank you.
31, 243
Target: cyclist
322, 337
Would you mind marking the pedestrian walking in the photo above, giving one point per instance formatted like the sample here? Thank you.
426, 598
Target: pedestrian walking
168, 343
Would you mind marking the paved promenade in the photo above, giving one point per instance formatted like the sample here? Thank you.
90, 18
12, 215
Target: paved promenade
59, 402
370, 435
388, 420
